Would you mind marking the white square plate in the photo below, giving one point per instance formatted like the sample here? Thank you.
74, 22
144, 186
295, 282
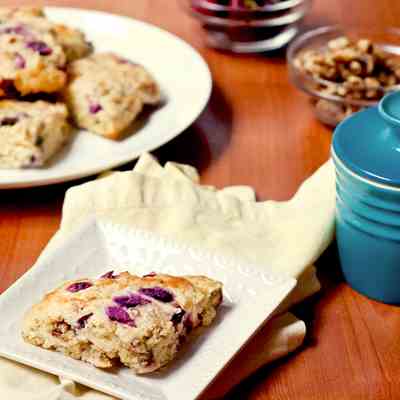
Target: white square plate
251, 294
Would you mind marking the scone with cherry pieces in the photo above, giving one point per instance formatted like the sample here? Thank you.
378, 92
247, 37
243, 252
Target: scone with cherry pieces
31, 133
72, 41
106, 93
139, 321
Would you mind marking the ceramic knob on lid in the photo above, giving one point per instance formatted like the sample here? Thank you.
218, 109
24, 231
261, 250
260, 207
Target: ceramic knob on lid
366, 153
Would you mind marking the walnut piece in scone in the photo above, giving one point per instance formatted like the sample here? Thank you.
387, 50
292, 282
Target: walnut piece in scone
106, 93
140, 321
31, 133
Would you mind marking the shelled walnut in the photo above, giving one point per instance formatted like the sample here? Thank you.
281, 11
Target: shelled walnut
331, 112
352, 69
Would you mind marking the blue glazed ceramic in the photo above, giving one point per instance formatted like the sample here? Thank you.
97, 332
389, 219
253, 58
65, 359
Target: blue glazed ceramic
366, 153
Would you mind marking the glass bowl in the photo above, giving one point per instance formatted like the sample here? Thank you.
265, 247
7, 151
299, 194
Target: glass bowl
232, 26
332, 109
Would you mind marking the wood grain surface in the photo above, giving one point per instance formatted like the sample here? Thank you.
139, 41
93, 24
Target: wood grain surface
257, 130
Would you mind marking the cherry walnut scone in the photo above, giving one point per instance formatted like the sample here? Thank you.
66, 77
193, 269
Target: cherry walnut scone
31, 133
139, 321
106, 93
31, 61
72, 40
133, 72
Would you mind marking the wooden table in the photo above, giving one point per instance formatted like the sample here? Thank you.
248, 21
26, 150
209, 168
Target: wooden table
260, 131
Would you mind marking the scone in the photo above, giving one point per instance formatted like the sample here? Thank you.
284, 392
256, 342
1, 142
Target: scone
31, 61
106, 93
139, 321
133, 72
31, 133
72, 40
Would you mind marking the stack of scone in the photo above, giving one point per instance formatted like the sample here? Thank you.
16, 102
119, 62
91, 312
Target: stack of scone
103, 93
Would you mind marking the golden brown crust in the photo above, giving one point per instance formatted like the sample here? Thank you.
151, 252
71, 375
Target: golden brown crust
41, 80
184, 288
115, 135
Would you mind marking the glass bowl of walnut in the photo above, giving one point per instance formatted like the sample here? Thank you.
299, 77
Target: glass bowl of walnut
345, 70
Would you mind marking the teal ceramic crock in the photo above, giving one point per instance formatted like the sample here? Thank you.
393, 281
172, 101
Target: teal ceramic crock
366, 153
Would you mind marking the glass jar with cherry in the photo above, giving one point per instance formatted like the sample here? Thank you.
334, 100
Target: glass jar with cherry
249, 26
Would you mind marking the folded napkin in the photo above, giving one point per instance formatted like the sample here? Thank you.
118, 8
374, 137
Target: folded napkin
287, 237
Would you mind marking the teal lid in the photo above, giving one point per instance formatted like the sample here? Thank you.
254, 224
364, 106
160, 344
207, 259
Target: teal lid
368, 142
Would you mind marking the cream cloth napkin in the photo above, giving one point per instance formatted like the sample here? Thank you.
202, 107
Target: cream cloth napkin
286, 236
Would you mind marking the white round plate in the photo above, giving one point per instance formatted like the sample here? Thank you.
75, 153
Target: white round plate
184, 78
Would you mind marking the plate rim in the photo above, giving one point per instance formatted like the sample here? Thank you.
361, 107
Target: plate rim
76, 174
